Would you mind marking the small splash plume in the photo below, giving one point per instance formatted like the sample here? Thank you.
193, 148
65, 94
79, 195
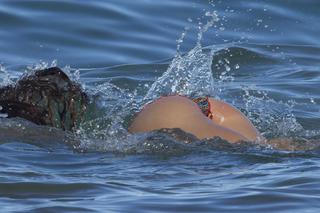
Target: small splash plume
73, 74
110, 105
4, 76
273, 118
188, 74
106, 124
41, 65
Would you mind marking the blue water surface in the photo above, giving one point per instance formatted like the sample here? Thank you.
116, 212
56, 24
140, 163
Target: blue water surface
263, 56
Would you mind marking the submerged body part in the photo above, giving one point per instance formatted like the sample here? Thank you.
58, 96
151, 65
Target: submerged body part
45, 97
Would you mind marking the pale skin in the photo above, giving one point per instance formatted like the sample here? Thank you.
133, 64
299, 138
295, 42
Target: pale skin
180, 112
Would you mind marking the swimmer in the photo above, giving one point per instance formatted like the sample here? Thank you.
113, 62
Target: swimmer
46, 97
203, 117
49, 97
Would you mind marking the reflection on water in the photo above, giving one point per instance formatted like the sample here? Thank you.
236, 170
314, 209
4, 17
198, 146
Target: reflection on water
261, 56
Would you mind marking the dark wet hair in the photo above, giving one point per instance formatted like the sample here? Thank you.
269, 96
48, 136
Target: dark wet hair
45, 97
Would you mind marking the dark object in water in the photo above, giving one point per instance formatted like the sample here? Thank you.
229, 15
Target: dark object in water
47, 97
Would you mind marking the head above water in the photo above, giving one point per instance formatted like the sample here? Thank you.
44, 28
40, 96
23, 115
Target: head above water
45, 97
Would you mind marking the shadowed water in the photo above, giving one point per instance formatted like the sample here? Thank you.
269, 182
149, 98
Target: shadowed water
261, 56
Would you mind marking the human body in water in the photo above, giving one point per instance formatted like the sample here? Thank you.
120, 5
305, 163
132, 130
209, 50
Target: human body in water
49, 97
203, 117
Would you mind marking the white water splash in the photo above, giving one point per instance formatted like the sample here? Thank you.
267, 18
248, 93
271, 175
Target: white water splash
5, 77
106, 129
272, 118
41, 65
188, 74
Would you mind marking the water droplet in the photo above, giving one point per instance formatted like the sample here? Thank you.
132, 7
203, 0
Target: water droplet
227, 68
54, 63
312, 101
208, 13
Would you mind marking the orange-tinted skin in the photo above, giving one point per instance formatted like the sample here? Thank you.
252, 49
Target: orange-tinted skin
227, 122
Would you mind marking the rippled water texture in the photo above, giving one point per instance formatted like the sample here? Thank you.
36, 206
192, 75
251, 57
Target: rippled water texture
261, 56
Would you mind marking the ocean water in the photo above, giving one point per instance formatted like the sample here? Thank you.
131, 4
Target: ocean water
262, 56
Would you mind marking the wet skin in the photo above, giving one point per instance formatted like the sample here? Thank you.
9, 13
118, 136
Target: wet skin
181, 112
